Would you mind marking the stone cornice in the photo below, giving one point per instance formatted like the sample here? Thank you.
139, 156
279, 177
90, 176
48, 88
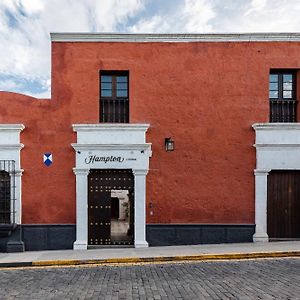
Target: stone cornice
90, 147
140, 172
109, 127
11, 146
276, 126
188, 37
261, 172
80, 171
276, 145
14, 127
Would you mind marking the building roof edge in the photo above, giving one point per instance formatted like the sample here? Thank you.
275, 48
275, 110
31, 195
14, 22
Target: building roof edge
175, 37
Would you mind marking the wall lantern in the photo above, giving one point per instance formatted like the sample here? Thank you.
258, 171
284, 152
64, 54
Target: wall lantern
169, 144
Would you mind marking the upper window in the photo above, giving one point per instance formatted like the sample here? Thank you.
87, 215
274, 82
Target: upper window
114, 97
282, 94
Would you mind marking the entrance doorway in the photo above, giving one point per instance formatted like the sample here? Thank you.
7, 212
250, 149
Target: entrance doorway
110, 207
283, 205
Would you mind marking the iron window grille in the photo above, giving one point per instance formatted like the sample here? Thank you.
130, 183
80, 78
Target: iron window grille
7, 192
114, 97
282, 95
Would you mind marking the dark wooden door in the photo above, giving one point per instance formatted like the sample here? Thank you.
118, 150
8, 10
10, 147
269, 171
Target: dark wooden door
99, 211
283, 206
100, 184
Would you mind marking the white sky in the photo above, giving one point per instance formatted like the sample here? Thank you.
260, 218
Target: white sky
25, 26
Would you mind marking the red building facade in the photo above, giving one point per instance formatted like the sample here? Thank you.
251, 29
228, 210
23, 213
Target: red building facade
115, 101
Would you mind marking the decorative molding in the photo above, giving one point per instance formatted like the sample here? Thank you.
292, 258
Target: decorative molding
15, 127
91, 147
110, 127
126, 144
176, 37
140, 172
18, 173
11, 146
276, 126
260, 172
275, 146
84, 172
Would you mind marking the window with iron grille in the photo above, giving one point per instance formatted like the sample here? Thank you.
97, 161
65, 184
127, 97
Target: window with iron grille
114, 97
7, 191
282, 94
4, 197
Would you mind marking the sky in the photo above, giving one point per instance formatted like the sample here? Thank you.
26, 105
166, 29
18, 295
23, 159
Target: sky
25, 27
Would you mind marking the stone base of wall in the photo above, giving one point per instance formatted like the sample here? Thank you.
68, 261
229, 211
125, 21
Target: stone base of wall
59, 237
48, 237
11, 238
193, 234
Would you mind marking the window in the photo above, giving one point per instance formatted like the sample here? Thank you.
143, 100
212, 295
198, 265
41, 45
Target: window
282, 94
114, 98
4, 197
7, 192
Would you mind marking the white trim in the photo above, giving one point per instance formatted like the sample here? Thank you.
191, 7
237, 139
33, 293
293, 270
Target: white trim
110, 127
139, 147
185, 37
14, 127
273, 147
275, 126
127, 143
140, 208
261, 185
81, 208
10, 148
277, 148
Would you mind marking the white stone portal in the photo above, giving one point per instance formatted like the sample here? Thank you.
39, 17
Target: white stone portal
10, 148
111, 146
277, 148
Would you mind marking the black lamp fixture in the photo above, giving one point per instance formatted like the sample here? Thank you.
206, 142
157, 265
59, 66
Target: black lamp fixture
169, 144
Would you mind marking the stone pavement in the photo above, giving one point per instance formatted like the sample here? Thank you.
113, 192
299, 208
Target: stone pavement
233, 279
158, 254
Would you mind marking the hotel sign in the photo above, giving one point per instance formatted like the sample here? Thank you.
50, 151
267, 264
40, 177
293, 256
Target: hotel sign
94, 158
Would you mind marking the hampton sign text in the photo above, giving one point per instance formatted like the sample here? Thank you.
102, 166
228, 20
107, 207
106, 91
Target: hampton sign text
94, 158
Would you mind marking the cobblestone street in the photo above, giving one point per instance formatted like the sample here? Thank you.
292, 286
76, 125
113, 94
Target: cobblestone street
247, 279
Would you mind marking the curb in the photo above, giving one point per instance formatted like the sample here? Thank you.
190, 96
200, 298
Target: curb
159, 259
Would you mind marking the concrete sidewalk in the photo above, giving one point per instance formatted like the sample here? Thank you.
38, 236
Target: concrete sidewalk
151, 254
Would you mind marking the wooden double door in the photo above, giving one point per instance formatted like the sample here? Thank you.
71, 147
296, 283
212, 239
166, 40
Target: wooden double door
100, 184
283, 205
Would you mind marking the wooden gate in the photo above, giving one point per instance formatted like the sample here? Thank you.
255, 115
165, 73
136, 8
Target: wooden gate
100, 184
283, 206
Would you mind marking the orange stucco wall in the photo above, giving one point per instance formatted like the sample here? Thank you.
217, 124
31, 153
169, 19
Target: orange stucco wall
204, 95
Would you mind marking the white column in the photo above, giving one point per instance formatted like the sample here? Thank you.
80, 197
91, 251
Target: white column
81, 209
18, 195
140, 208
261, 188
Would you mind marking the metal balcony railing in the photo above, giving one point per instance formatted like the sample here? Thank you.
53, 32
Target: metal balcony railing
283, 111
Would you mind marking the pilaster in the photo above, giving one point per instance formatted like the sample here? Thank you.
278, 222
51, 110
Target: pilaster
81, 208
140, 208
261, 189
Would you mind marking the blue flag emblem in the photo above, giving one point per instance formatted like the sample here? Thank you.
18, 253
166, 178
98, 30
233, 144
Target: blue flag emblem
48, 159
